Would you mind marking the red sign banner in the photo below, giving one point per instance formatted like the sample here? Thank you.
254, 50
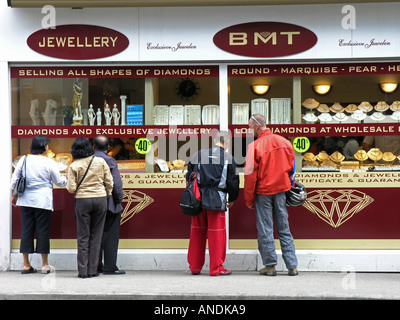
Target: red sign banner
265, 39
78, 42
113, 131
320, 130
313, 69
286, 130
115, 72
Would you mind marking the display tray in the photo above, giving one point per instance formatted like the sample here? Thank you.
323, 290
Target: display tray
260, 106
389, 169
210, 114
131, 165
319, 169
240, 113
280, 111
176, 115
161, 115
193, 115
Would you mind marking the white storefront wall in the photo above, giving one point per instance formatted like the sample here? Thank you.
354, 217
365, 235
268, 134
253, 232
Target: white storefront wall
184, 35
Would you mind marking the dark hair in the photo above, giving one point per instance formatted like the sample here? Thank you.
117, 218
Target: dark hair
39, 144
222, 137
81, 148
101, 142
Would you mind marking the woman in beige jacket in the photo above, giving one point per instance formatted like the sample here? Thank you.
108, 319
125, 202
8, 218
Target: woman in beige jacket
91, 187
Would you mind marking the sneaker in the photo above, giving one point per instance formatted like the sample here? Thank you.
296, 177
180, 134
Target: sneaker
268, 271
221, 272
293, 272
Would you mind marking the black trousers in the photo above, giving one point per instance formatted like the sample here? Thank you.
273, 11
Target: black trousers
109, 242
35, 220
90, 217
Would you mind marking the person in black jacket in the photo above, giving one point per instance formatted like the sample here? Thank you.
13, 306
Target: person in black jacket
217, 178
110, 239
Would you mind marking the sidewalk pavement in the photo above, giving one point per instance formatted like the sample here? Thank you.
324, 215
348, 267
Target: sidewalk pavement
182, 285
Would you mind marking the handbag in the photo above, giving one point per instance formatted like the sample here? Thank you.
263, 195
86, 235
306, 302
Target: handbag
20, 186
191, 197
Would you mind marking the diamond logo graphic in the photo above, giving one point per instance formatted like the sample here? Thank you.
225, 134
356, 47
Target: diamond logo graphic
336, 207
135, 201
265, 34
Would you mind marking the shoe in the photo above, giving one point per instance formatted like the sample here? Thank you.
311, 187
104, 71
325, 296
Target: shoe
83, 276
114, 272
92, 275
293, 272
195, 273
221, 272
268, 271
30, 270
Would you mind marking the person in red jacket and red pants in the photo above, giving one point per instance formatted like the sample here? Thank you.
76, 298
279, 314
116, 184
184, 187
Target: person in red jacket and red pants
269, 173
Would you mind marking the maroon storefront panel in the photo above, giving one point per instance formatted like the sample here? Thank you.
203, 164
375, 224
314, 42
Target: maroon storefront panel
368, 213
63, 225
161, 218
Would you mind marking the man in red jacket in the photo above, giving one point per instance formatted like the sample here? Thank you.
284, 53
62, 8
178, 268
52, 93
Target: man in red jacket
269, 173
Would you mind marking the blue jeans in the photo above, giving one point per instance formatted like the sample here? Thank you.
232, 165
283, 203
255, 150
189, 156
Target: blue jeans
272, 208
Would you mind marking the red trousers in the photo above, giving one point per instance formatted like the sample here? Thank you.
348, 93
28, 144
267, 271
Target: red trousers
211, 223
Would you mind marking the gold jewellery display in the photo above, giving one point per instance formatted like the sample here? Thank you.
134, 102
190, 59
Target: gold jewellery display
362, 160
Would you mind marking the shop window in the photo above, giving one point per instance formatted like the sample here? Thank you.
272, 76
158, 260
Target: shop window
351, 126
175, 107
161, 104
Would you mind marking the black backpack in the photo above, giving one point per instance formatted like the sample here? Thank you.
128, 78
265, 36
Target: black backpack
191, 198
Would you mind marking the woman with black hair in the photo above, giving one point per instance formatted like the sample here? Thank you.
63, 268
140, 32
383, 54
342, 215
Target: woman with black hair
36, 203
89, 177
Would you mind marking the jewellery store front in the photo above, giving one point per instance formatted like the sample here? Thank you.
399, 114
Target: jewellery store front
162, 97
152, 126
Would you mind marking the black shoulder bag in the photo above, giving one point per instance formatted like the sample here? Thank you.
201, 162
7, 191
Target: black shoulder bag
20, 186
191, 197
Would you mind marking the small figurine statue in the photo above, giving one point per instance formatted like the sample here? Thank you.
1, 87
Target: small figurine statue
107, 115
34, 112
98, 117
50, 113
76, 101
91, 115
116, 115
